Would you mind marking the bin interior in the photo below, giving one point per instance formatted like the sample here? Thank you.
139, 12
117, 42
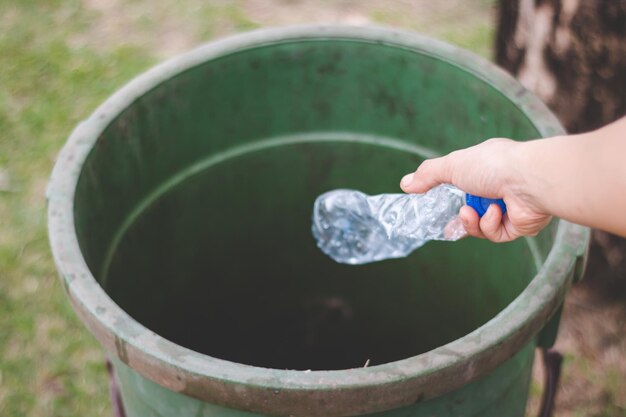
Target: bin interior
193, 210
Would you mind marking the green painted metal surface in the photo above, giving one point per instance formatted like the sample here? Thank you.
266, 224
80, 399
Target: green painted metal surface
179, 217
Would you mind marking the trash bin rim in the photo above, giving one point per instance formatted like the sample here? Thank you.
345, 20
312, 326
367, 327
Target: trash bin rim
223, 382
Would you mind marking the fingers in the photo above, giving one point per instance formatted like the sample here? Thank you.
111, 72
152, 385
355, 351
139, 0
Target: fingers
470, 220
429, 174
492, 226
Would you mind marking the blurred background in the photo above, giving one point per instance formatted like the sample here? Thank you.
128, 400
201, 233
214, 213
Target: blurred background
59, 59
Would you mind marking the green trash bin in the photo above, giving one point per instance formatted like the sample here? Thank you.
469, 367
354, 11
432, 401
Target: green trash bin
179, 219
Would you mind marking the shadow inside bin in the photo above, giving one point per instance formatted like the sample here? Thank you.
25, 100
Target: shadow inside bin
225, 267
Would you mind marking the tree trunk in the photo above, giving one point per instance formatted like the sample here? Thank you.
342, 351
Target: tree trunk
572, 54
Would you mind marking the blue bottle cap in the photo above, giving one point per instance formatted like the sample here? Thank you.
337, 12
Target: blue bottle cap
481, 204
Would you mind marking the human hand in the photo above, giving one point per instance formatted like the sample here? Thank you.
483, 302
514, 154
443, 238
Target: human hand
492, 169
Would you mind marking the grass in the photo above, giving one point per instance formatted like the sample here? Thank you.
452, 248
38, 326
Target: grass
49, 364
466, 24
59, 60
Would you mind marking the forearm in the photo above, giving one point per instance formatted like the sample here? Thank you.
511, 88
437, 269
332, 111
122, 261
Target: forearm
580, 178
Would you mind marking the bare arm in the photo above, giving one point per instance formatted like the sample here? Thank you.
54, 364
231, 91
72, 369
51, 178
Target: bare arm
580, 178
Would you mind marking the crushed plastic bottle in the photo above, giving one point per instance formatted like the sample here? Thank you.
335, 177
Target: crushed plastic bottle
354, 228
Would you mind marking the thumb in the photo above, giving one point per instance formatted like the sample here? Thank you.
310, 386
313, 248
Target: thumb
429, 174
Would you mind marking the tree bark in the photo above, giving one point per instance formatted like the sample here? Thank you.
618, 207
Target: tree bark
571, 53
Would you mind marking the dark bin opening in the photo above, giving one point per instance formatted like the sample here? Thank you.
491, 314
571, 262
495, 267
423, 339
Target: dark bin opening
224, 263
193, 208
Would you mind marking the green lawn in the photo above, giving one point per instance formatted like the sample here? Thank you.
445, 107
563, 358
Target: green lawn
59, 59
49, 364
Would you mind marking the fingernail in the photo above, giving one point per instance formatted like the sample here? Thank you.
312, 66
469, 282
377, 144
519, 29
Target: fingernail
407, 179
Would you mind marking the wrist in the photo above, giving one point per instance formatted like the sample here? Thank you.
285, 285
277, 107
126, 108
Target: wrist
531, 166
550, 169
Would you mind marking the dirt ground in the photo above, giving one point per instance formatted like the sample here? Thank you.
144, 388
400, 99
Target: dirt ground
592, 336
